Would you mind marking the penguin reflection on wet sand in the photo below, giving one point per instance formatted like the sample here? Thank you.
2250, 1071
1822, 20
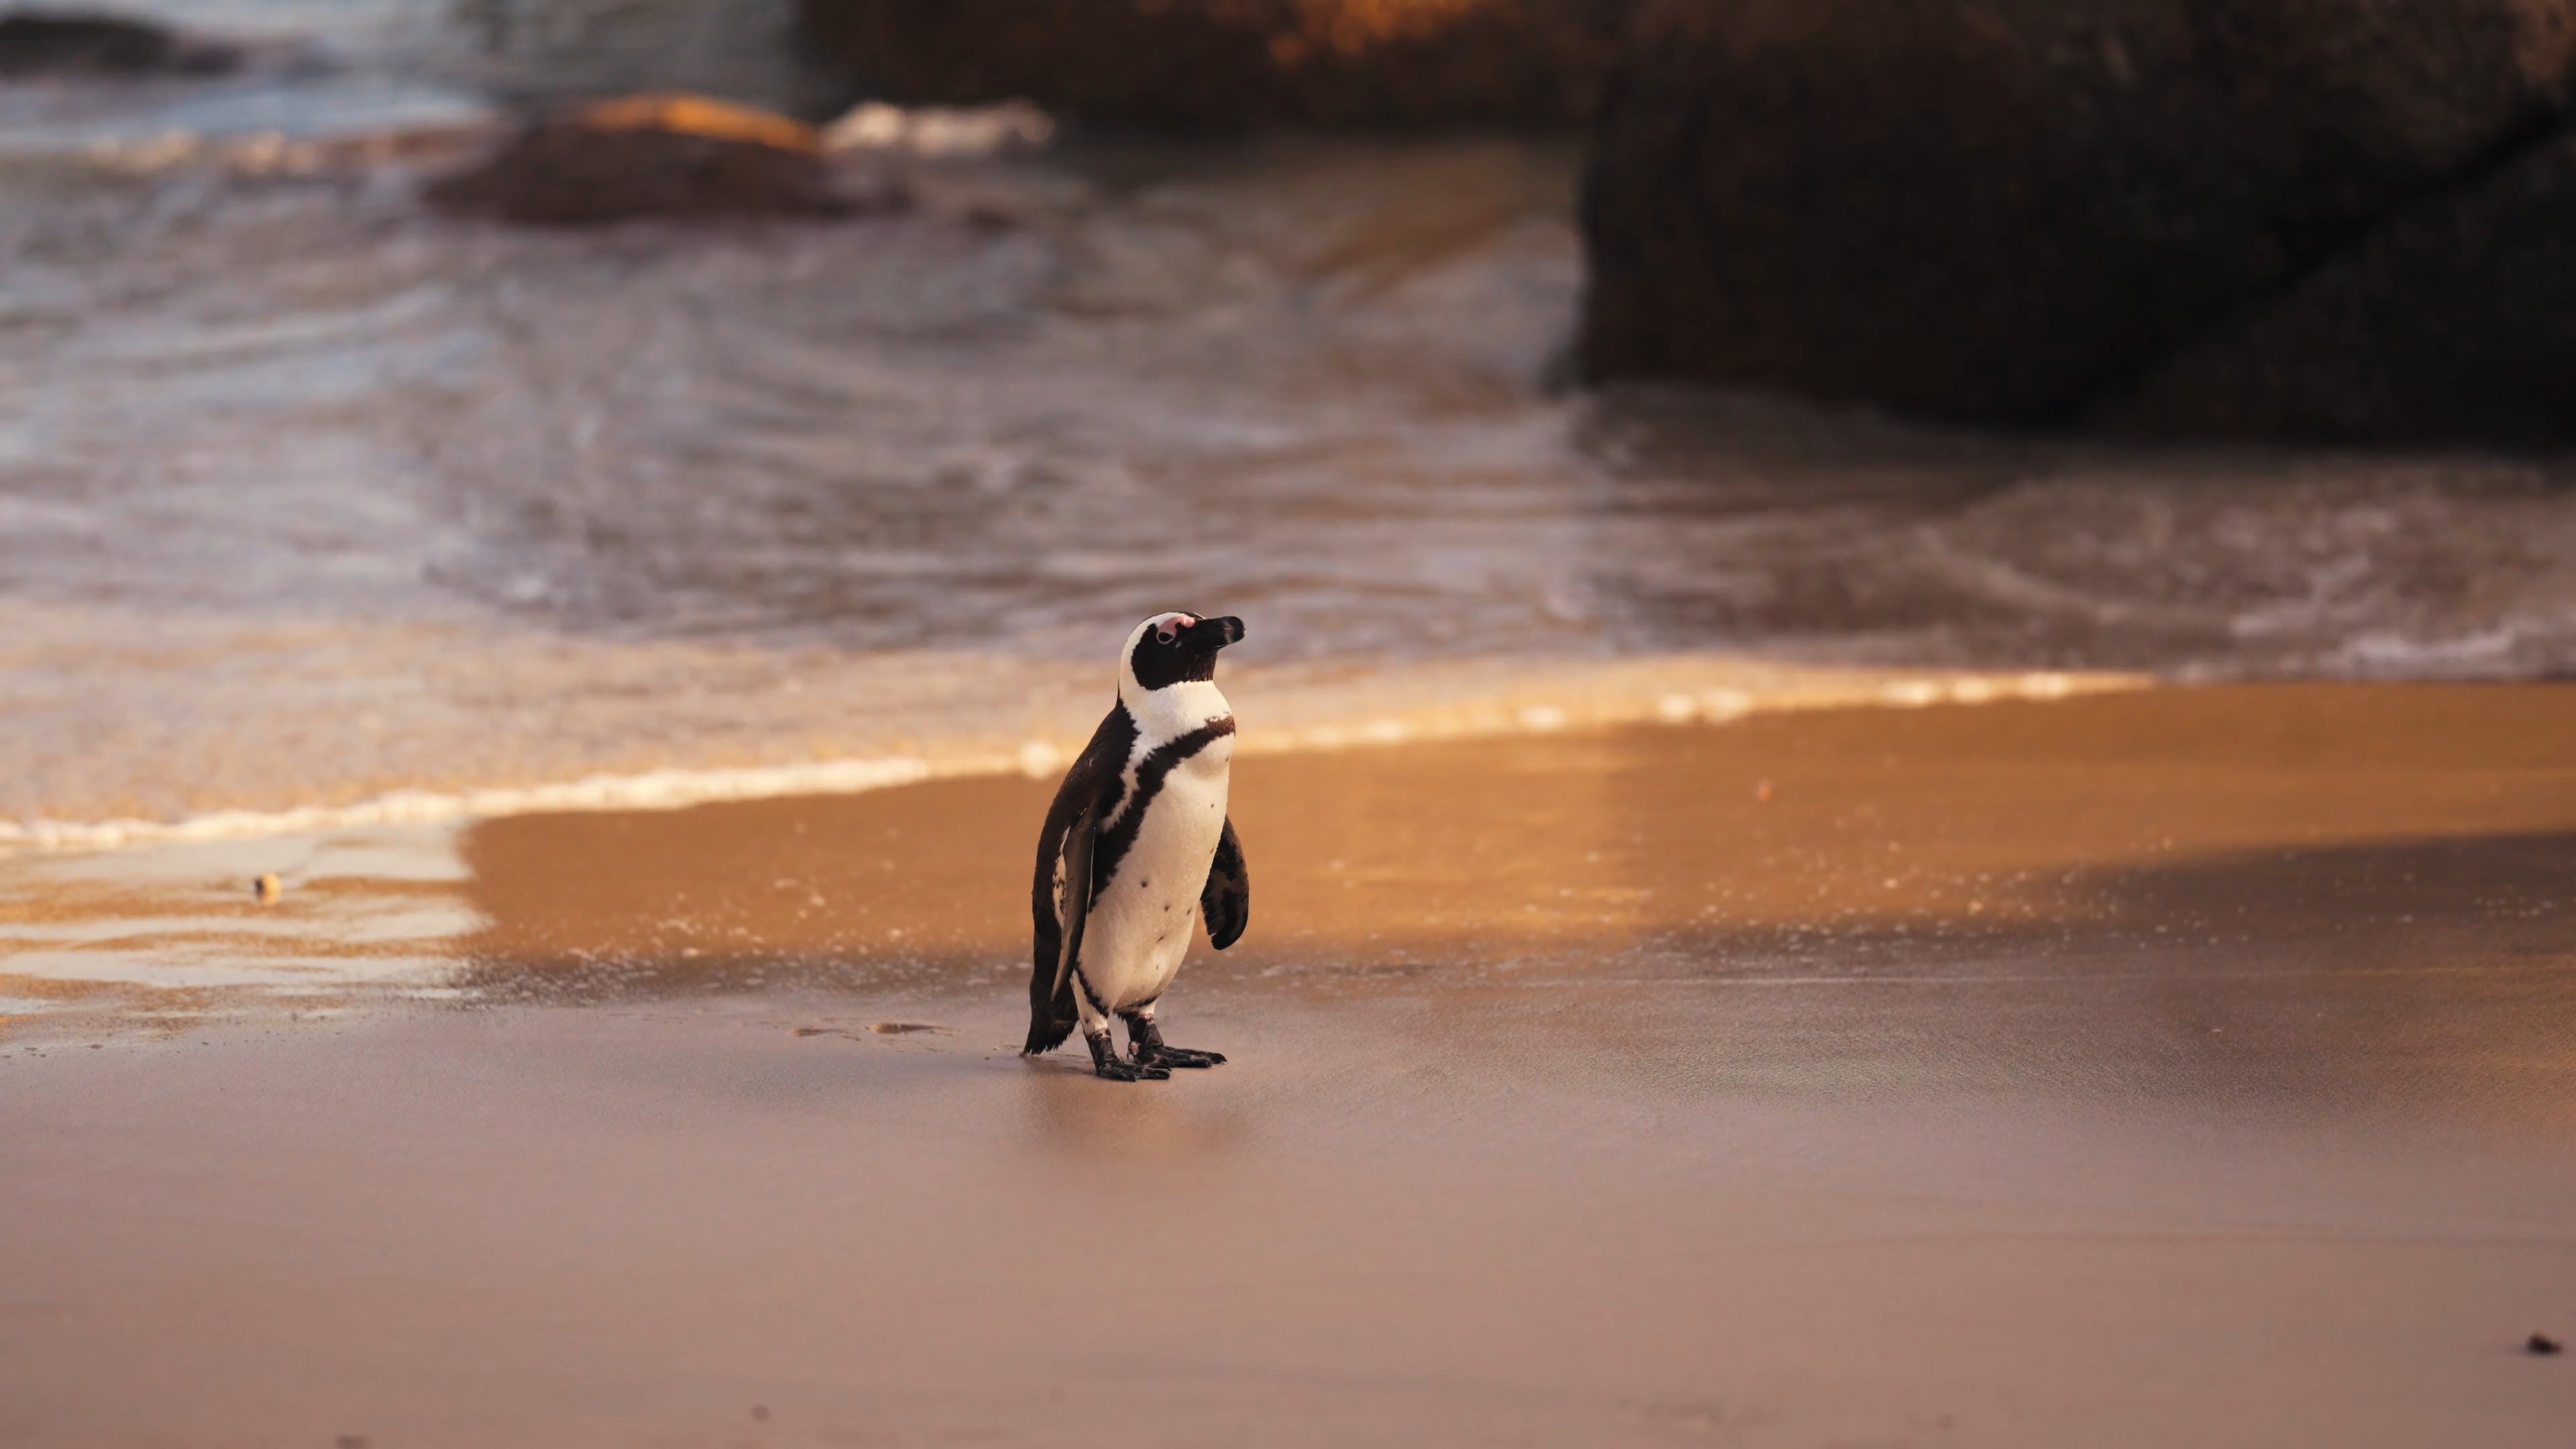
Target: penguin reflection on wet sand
1135, 847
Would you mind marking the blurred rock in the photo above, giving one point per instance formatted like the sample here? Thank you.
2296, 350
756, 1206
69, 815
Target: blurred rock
2454, 323
661, 155
1234, 63
47, 43
2002, 211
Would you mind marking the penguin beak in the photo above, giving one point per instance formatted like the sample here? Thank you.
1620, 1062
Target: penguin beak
1217, 633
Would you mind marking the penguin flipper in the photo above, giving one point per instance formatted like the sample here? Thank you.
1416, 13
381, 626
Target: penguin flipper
1052, 1016
1075, 909
1060, 892
1225, 902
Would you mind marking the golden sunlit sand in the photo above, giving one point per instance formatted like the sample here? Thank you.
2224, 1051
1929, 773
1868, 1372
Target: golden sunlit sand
2183, 1066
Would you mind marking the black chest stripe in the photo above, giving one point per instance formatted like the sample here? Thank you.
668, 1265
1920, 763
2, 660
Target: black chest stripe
1115, 841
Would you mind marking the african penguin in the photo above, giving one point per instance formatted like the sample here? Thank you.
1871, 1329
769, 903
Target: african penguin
1136, 842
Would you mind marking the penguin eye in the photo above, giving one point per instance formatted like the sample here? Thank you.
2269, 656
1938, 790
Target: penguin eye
1165, 635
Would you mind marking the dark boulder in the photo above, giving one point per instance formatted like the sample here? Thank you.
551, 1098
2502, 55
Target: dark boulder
2456, 322
664, 155
53, 43
1234, 63
2003, 211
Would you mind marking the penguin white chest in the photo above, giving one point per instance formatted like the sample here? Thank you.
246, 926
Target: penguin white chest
1146, 912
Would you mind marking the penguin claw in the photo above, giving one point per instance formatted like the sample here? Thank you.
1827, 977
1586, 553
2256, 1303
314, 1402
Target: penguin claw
1172, 1056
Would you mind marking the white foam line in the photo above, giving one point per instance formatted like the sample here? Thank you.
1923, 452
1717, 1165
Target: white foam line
1716, 705
653, 790
679, 788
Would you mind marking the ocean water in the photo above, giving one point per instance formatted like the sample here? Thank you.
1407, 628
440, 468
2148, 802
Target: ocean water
317, 507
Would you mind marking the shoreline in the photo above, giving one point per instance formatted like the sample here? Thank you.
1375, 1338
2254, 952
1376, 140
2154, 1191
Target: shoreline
1302, 708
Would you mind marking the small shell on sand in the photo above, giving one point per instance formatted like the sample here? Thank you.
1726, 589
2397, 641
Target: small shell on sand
267, 888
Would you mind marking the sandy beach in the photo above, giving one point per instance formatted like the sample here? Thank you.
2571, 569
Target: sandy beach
2187, 1066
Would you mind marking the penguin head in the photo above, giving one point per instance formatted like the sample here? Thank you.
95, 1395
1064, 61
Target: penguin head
1174, 648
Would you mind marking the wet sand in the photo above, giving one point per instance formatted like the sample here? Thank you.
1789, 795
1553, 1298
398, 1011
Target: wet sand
2181, 1067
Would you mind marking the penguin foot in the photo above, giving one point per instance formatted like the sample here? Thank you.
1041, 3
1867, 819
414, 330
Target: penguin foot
1145, 1044
1106, 1064
1160, 1055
